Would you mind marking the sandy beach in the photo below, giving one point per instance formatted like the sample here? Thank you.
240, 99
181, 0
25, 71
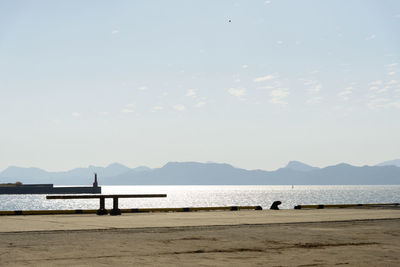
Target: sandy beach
352, 237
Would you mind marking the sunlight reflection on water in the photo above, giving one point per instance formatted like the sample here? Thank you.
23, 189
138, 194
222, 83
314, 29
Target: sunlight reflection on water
207, 196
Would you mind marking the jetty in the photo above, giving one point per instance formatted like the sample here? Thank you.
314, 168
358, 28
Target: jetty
20, 188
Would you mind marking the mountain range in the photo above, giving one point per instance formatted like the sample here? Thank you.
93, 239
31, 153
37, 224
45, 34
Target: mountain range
195, 173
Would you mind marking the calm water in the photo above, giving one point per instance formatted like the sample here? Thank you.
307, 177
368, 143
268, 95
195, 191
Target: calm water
204, 196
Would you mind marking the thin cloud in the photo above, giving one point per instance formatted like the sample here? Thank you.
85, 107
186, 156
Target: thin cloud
245, 66
115, 32
157, 108
277, 96
391, 65
142, 88
179, 107
264, 78
383, 90
370, 37
127, 110
380, 102
266, 87
377, 82
383, 96
314, 100
200, 104
308, 82
346, 93
315, 89
394, 104
191, 93
76, 114
273, 84
237, 92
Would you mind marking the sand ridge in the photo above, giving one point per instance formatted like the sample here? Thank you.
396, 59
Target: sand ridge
176, 219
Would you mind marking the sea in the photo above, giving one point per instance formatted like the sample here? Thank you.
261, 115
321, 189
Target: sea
215, 196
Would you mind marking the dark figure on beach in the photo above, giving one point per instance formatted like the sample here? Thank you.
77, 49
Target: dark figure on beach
275, 205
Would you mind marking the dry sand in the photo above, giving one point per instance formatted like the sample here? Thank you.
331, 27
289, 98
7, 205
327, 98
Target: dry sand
352, 237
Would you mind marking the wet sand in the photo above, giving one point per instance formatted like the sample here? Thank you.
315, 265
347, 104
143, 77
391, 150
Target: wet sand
352, 237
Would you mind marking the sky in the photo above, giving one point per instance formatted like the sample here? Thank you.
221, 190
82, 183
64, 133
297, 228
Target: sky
255, 84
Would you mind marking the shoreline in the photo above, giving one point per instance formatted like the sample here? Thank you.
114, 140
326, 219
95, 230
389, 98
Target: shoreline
211, 226
25, 223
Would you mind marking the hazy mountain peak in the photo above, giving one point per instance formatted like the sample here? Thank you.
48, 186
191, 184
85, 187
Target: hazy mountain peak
200, 173
193, 163
343, 165
395, 162
22, 173
141, 169
299, 166
15, 169
116, 165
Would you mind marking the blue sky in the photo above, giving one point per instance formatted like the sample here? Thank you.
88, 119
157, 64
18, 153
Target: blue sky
147, 82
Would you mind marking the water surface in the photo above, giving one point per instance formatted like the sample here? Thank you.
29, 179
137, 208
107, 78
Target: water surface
209, 196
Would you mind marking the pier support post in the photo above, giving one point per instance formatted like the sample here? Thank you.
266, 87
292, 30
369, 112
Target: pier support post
102, 210
115, 210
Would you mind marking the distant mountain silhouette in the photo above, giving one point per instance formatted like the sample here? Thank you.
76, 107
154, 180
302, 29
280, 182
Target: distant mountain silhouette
395, 162
82, 173
27, 175
195, 173
299, 166
75, 176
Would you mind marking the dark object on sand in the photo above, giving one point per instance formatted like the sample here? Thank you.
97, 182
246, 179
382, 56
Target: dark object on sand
275, 205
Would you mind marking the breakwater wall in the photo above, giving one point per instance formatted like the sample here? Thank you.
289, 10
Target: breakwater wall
145, 210
49, 189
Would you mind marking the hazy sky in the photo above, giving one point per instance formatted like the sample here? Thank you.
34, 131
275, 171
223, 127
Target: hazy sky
147, 82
